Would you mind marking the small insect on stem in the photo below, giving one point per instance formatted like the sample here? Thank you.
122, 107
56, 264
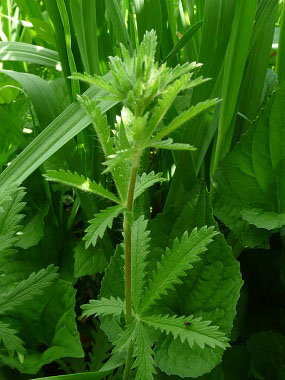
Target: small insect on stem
187, 323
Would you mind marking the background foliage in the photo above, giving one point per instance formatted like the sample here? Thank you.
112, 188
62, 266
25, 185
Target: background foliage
47, 272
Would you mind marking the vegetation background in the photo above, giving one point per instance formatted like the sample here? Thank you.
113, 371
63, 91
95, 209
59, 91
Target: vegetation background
239, 160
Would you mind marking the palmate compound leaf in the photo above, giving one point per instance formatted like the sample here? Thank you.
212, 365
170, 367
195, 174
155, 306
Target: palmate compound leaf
104, 306
189, 329
9, 339
10, 207
99, 224
126, 337
140, 250
145, 181
28, 289
80, 182
144, 355
175, 264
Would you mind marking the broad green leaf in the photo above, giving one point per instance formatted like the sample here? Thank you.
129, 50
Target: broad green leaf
99, 224
88, 261
210, 290
47, 320
104, 306
80, 182
280, 64
145, 181
144, 355
10, 207
28, 289
249, 197
184, 117
9, 339
19, 51
32, 232
189, 329
140, 250
175, 264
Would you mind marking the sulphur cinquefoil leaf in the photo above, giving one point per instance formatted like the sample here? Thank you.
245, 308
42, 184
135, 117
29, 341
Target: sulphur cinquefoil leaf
175, 264
184, 117
80, 182
250, 184
210, 290
99, 224
104, 306
28, 289
144, 355
189, 329
140, 250
168, 144
126, 337
10, 217
10, 340
115, 159
145, 181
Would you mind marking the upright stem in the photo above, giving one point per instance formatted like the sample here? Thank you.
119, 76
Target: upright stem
128, 256
128, 238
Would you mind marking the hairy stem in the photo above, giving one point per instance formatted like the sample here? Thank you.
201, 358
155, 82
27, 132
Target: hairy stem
128, 254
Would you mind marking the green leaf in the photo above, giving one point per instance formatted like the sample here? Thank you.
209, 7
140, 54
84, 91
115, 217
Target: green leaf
19, 51
184, 117
144, 355
10, 207
199, 332
72, 121
78, 376
210, 290
140, 250
184, 40
104, 306
88, 261
250, 186
115, 159
126, 337
99, 224
80, 182
145, 181
168, 144
10, 340
175, 264
28, 289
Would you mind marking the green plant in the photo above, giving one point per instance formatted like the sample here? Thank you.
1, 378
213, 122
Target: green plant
147, 92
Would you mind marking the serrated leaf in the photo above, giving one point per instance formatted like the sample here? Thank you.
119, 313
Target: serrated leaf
28, 289
168, 144
190, 329
10, 217
10, 340
99, 224
168, 97
104, 306
144, 355
114, 160
184, 117
175, 264
145, 181
126, 337
100, 123
80, 182
140, 250
96, 80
